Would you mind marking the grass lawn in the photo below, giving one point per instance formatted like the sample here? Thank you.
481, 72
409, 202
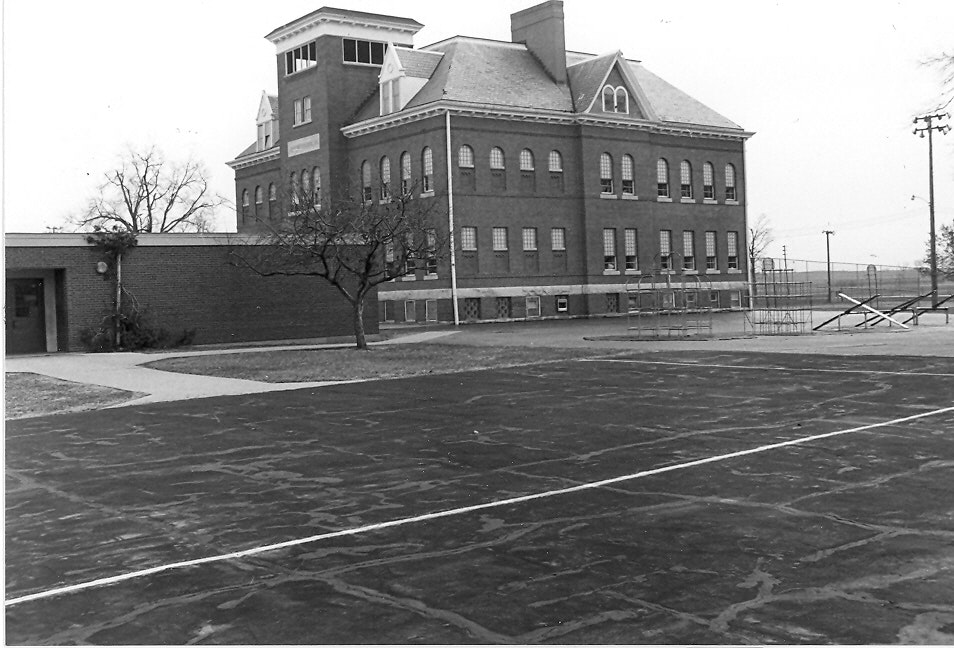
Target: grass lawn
29, 394
389, 361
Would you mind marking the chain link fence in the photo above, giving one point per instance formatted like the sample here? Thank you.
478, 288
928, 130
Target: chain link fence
893, 284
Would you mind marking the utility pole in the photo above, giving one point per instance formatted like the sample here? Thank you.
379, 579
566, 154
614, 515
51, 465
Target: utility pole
828, 234
930, 127
784, 258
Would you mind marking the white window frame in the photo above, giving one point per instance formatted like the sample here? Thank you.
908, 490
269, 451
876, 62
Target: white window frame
630, 248
533, 306
712, 251
688, 250
529, 239
606, 174
500, 242
468, 238
610, 261
555, 234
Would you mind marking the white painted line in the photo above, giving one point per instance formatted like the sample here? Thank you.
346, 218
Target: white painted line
768, 367
100, 582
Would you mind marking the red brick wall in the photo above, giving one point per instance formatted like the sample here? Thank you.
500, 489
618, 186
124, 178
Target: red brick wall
192, 287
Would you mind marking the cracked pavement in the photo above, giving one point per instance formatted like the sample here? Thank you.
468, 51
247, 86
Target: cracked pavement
847, 539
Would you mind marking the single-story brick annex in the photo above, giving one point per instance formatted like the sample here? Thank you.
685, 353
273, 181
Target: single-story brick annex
57, 288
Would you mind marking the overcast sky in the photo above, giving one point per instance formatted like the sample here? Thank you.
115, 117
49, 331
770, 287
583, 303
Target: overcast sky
829, 87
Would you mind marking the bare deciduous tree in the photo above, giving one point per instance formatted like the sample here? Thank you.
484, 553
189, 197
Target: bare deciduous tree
944, 63
760, 237
354, 245
146, 193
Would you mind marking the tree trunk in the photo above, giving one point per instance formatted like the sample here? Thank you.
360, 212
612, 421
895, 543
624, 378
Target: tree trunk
360, 341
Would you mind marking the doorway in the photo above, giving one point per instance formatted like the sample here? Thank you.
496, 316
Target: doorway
25, 316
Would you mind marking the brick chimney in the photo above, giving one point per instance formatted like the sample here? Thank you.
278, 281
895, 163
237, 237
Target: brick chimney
540, 28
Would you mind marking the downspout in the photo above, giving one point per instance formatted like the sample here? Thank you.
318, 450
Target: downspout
119, 299
450, 220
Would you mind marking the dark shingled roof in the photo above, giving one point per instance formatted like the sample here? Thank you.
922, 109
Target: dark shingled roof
673, 105
418, 63
273, 102
507, 75
248, 150
586, 77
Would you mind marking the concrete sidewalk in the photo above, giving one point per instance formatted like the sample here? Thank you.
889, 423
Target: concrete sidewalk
125, 371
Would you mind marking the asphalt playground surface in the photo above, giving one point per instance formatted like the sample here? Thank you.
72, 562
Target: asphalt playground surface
631, 497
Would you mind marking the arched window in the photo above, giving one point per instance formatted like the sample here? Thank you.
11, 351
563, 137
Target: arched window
685, 179
293, 187
556, 162
609, 97
621, 100
405, 173
662, 178
708, 188
497, 159
615, 99
244, 203
465, 157
629, 187
316, 185
427, 163
730, 182
272, 192
526, 160
606, 173
365, 181
385, 170
258, 195
305, 184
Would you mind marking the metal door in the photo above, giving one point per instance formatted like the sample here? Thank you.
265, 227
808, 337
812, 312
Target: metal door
24, 315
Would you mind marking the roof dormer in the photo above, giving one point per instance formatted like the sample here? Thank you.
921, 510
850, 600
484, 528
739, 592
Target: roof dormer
403, 73
266, 122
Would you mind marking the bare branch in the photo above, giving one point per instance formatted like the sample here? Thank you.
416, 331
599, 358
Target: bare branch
146, 193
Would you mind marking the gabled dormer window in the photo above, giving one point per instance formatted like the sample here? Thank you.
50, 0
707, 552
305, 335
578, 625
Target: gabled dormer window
615, 99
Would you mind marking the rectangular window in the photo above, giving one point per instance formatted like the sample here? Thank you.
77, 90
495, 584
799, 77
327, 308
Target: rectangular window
558, 239
533, 306
430, 310
500, 239
301, 58
712, 260
530, 239
732, 250
562, 303
609, 249
665, 249
298, 111
632, 263
410, 311
688, 250
468, 239
306, 105
362, 51
708, 188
